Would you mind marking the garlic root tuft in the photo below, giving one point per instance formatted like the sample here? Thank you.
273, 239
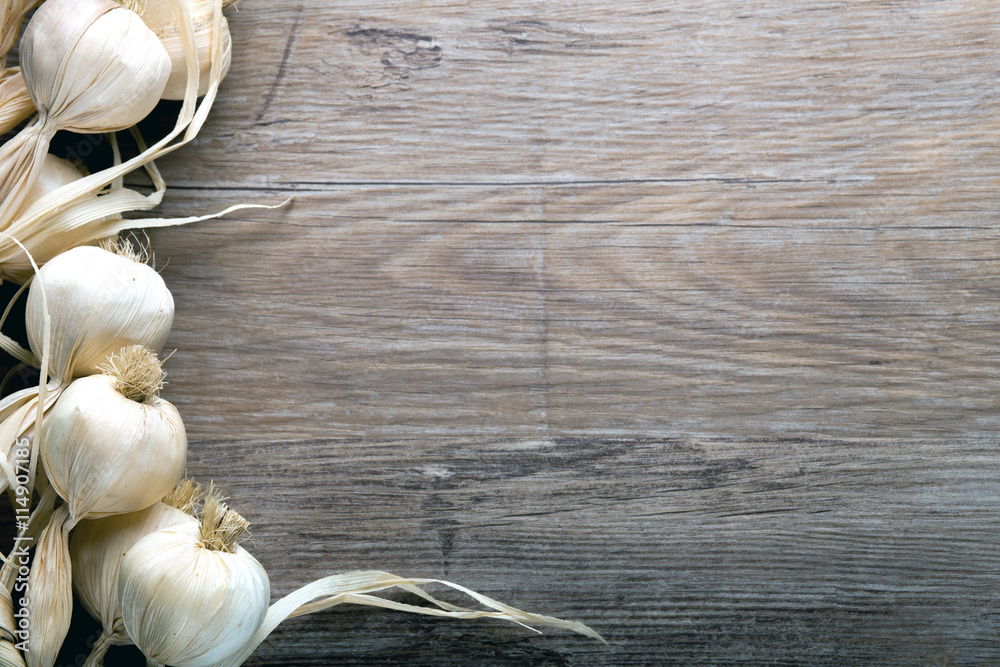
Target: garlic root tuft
221, 527
125, 248
185, 496
137, 373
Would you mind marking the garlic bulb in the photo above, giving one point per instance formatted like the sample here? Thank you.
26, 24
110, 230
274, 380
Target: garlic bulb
92, 65
99, 302
54, 173
109, 445
159, 17
89, 66
96, 551
192, 598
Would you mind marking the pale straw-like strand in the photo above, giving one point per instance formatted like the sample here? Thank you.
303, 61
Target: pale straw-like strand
355, 588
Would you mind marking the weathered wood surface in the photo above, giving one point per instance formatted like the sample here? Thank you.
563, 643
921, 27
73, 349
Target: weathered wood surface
678, 319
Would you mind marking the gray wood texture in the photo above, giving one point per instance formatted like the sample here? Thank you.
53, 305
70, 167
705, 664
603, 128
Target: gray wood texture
675, 318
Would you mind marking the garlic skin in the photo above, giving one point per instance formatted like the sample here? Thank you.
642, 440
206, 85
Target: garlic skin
15, 103
106, 454
92, 65
55, 172
159, 17
99, 302
96, 550
186, 605
88, 66
103, 453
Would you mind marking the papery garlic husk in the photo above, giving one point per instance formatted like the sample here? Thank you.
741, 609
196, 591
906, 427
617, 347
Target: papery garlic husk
54, 173
89, 66
15, 102
189, 600
12, 14
357, 588
104, 454
99, 302
9, 655
96, 551
160, 18
108, 454
18, 413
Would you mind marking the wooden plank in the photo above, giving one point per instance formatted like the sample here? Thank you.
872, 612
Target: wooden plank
578, 220
382, 324
789, 552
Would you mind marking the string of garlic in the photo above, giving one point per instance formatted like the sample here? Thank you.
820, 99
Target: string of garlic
70, 214
110, 445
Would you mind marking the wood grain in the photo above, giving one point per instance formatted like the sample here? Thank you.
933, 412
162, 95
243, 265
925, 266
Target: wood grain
572, 221
680, 551
678, 319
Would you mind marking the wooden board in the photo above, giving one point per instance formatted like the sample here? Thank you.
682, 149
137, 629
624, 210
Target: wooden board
677, 319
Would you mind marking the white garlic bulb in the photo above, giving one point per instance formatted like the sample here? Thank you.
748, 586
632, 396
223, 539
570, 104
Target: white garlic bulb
92, 65
96, 550
106, 452
54, 173
191, 599
159, 17
99, 302
89, 66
